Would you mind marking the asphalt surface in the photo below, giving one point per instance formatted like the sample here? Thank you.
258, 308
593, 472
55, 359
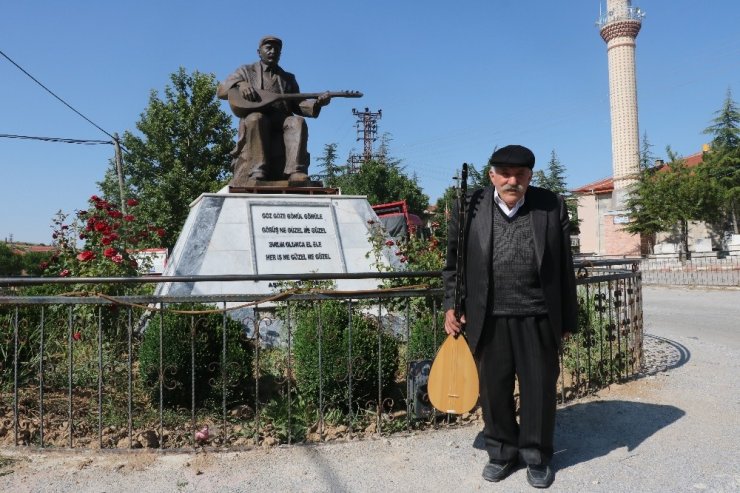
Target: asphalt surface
675, 429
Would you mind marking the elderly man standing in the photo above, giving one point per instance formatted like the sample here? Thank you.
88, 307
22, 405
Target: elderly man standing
272, 143
519, 302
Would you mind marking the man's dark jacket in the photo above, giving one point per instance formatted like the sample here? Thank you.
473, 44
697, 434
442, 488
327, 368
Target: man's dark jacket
551, 233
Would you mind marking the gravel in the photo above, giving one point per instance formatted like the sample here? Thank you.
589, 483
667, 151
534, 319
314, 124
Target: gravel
675, 429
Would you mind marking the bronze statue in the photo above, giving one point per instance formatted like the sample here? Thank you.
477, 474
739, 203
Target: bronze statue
273, 135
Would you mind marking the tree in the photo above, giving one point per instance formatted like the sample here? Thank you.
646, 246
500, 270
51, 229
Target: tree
34, 262
554, 179
725, 128
722, 162
446, 203
383, 180
384, 153
674, 194
11, 264
382, 183
183, 151
328, 163
647, 158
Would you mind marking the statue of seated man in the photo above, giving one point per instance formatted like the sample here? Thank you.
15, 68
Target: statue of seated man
272, 141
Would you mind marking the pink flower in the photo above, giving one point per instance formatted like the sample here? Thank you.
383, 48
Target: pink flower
100, 226
132, 202
389, 243
85, 256
160, 232
43, 265
110, 252
95, 198
115, 214
64, 273
106, 240
404, 259
77, 335
202, 435
117, 258
128, 218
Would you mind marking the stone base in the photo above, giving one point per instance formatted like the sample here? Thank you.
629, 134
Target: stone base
249, 233
284, 187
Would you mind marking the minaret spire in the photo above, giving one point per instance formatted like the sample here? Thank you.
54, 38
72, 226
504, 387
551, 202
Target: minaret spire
619, 27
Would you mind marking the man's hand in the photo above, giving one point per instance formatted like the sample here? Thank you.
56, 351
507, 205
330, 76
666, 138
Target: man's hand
247, 91
452, 324
324, 99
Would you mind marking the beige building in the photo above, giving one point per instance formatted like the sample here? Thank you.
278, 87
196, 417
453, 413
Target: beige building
602, 227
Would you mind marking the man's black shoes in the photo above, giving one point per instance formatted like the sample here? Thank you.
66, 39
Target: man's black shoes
539, 476
498, 470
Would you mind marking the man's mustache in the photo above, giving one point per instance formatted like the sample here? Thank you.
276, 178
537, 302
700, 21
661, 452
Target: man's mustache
513, 188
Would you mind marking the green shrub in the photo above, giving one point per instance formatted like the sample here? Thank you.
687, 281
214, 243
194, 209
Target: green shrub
176, 358
423, 342
595, 353
335, 340
28, 345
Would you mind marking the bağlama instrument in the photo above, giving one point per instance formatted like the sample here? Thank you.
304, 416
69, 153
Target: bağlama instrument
453, 379
241, 106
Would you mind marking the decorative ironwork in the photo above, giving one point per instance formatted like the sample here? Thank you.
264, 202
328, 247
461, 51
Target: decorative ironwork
79, 360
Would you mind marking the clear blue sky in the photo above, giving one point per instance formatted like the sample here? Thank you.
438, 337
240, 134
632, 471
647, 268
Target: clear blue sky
454, 80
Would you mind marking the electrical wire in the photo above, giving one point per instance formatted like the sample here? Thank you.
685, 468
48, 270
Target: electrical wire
52, 93
57, 139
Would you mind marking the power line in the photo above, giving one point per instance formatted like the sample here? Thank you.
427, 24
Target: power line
52, 93
57, 139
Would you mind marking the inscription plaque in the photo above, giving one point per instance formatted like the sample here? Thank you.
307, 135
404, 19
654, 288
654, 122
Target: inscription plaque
295, 238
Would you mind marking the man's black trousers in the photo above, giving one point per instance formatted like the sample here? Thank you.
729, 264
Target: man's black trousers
525, 347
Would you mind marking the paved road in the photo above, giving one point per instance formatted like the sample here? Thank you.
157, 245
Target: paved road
677, 429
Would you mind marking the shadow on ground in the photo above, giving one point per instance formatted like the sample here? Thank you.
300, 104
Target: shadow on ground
593, 429
663, 354
588, 430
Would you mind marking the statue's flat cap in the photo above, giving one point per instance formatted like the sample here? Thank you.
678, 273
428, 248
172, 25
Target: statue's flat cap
513, 155
271, 39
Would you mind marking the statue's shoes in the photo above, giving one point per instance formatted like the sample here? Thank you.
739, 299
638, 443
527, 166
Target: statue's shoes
298, 177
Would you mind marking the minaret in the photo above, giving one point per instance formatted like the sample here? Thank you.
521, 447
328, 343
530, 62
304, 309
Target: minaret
619, 26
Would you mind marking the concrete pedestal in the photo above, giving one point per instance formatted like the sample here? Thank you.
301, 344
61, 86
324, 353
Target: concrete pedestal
241, 233
244, 233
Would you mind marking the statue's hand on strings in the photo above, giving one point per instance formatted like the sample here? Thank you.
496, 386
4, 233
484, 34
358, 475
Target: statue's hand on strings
324, 99
247, 91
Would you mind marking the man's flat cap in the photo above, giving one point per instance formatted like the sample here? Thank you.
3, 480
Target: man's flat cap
513, 155
271, 39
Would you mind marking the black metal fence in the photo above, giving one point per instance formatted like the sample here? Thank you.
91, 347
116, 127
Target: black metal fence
697, 271
83, 369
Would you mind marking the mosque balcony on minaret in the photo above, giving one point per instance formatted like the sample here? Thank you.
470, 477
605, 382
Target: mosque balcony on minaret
620, 22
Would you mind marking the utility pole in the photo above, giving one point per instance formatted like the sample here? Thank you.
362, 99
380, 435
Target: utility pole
119, 170
367, 132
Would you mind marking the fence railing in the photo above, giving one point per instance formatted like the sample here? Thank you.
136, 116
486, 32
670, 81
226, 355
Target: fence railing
697, 271
84, 369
